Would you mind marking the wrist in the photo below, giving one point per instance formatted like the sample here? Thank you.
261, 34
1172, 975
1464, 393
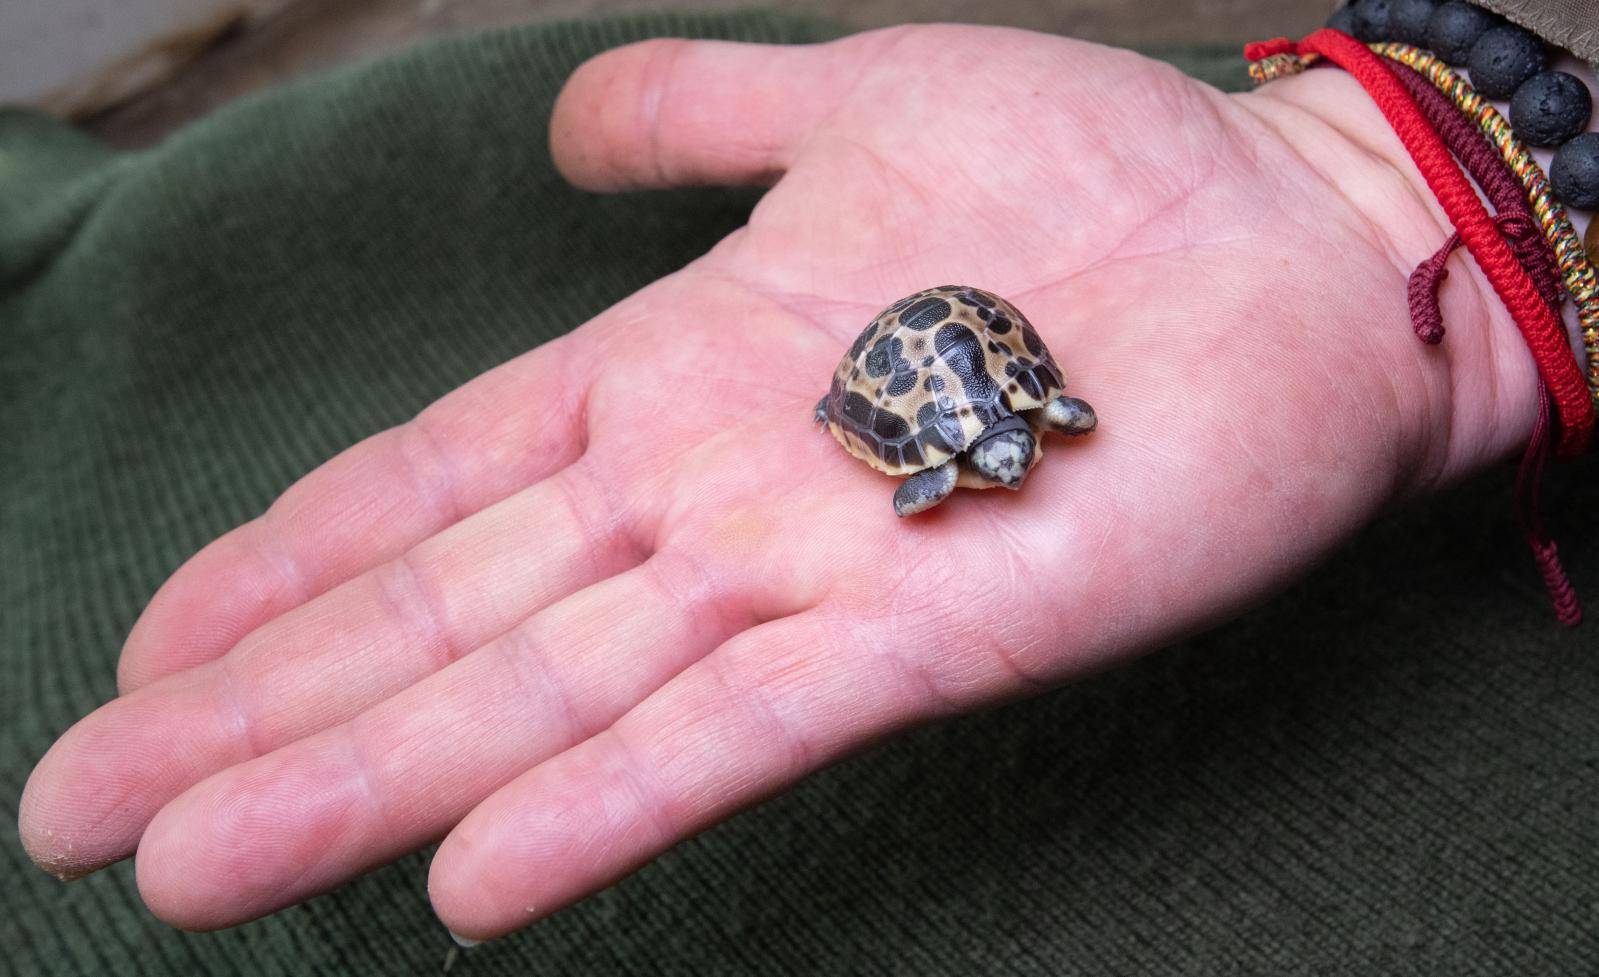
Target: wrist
1466, 403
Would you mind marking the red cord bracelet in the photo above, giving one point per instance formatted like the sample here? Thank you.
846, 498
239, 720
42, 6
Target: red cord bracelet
1540, 326
1520, 268
1512, 212
1515, 218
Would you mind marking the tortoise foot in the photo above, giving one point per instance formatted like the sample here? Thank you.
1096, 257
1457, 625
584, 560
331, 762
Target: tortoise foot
1069, 415
925, 489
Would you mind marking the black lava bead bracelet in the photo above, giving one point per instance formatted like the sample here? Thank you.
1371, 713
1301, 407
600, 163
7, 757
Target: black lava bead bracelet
1547, 108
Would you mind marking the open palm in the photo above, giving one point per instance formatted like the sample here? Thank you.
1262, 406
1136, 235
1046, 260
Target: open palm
620, 587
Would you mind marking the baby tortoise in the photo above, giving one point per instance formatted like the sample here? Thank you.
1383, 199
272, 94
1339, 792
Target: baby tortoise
951, 387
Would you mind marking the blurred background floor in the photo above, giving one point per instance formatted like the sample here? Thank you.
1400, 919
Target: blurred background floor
306, 35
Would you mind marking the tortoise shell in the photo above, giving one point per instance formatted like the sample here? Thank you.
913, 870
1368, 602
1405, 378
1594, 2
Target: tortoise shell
931, 373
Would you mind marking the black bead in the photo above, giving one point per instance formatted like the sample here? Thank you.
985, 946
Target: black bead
1455, 26
1371, 19
1502, 59
1343, 19
1549, 108
1574, 176
1408, 19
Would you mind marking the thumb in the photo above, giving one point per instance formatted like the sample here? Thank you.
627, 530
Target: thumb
672, 112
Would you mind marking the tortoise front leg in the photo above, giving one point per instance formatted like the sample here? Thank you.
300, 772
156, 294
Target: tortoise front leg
925, 489
1069, 415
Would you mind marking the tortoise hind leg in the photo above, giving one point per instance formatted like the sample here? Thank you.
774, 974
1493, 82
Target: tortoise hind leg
1069, 415
820, 415
925, 489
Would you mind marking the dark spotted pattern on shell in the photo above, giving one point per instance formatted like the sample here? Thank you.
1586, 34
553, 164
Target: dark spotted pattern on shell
930, 373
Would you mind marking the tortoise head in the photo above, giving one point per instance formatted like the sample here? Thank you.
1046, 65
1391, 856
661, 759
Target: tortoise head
1003, 454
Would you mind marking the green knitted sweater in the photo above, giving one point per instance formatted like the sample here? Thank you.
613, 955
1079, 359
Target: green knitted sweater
1391, 769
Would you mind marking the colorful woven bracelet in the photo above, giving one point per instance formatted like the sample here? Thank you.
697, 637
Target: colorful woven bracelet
1499, 184
1581, 281
1539, 325
1582, 284
1513, 249
1549, 108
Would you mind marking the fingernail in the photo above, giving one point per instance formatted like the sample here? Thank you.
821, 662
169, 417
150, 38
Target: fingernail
462, 941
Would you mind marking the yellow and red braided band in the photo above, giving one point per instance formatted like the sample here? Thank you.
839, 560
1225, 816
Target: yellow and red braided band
1576, 273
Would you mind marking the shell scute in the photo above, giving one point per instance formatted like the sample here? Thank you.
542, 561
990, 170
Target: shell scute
925, 313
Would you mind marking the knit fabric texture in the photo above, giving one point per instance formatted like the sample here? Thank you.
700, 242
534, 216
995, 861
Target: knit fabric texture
1392, 768
1566, 24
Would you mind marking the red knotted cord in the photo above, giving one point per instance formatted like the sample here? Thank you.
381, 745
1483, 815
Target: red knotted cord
1513, 213
1509, 247
1529, 485
1540, 326
1526, 240
1517, 222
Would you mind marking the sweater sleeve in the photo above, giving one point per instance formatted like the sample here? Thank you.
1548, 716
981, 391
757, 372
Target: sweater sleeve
1569, 24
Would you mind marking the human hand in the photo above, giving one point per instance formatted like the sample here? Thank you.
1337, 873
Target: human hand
615, 590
